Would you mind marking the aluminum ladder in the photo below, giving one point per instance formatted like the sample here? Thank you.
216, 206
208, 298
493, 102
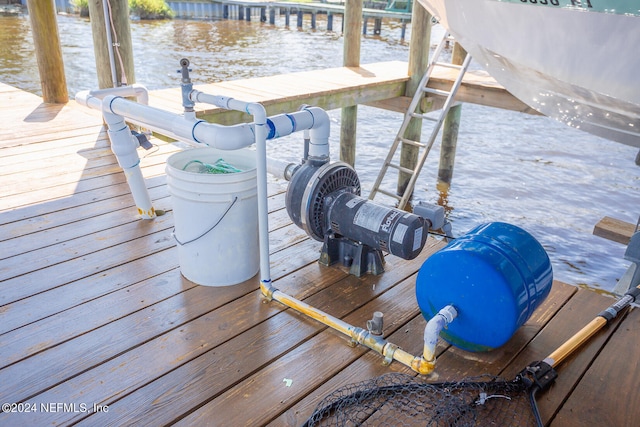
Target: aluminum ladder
411, 114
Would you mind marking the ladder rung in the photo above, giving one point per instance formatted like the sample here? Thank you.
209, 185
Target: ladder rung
448, 65
389, 193
412, 112
423, 116
401, 168
412, 142
444, 93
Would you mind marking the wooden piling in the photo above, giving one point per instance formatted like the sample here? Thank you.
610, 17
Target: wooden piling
419, 47
352, 24
272, 16
46, 41
450, 133
122, 46
377, 26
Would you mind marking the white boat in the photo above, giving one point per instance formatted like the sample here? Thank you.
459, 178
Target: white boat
575, 61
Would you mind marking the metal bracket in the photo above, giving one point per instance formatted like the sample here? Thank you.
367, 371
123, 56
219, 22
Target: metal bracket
631, 277
539, 373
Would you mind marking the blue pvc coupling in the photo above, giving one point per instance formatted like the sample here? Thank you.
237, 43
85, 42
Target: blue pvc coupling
495, 276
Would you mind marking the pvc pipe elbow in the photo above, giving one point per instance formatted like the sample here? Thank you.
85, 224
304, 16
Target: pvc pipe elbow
82, 98
319, 132
433, 329
258, 112
267, 289
139, 91
85, 99
223, 137
142, 94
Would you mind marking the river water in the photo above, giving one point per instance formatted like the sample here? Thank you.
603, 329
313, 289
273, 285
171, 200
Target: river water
553, 181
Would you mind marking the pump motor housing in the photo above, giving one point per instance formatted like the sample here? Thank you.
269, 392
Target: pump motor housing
324, 200
388, 229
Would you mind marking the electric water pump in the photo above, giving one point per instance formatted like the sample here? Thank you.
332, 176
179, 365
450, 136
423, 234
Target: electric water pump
324, 200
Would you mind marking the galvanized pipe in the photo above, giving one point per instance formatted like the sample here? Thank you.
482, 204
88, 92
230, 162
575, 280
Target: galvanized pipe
358, 335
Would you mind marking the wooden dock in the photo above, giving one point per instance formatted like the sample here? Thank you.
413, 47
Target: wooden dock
380, 84
98, 327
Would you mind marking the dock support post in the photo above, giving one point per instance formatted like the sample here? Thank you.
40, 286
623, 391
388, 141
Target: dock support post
313, 20
263, 14
329, 21
403, 31
46, 41
272, 16
377, 26
287, 16
248, 14
364, 26
240, 13
418, 63
300, 15
122, 49
450, 133
225, 11
352, 25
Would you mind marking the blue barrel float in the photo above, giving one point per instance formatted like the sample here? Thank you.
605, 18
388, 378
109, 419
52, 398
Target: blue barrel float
495, 276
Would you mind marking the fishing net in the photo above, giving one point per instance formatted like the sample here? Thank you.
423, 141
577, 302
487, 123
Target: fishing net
220, 166
402, 400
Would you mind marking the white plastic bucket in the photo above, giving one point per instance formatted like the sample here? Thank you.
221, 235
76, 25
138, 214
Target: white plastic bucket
215, 217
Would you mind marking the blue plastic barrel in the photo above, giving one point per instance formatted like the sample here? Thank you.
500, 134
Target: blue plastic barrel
495, 276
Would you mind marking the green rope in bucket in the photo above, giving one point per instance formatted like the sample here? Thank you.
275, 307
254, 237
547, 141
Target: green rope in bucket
220, 166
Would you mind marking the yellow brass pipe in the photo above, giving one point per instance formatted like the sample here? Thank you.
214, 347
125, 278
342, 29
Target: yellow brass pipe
358, 335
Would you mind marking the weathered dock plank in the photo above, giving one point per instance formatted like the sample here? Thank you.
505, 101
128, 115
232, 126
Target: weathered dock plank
614, 229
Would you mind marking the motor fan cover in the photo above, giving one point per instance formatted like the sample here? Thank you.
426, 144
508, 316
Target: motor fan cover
308, 190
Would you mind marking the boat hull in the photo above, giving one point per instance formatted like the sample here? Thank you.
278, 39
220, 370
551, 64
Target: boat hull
570, 62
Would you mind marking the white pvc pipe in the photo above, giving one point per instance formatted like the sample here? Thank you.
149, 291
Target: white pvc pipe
281, 168
139, 91
125, 146
260, 121
200, 132
312, 119
433, 329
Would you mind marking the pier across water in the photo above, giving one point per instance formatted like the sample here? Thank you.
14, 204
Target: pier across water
266, 11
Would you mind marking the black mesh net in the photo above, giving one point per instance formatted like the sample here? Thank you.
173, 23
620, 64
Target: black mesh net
403, 400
